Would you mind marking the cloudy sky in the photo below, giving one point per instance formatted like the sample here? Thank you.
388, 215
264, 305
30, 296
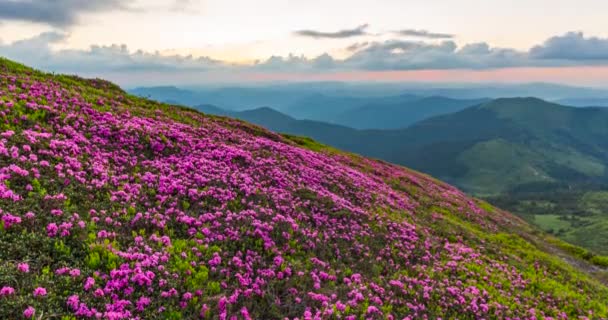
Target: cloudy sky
215, 41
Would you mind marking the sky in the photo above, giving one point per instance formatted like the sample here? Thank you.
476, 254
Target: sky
188, 42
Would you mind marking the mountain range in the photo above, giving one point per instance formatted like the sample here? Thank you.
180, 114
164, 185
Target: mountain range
376, 113
287, 96
585, 102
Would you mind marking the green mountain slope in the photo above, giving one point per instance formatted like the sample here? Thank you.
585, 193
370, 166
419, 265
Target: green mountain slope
117, 207
535, 140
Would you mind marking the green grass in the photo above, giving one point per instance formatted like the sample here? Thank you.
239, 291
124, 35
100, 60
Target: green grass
308, 143
577, 217
551, 222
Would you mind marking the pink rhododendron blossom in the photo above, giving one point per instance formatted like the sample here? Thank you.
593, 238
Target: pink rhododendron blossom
29, 312
7, 291
39, 292
23, 267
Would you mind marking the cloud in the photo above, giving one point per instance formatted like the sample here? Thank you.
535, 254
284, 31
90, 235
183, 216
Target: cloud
34, 50
184, 6
119, 62
38, 52
357, 46
572, 46
424, 34
341, 34
293, 63
58, 13
410, 55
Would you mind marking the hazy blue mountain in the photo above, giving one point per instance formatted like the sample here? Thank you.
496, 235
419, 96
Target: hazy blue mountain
170, 94
331, 108
214, 110
230, 98
337, 97
584, 102
277, 96
400, 114
390, 112
547, 91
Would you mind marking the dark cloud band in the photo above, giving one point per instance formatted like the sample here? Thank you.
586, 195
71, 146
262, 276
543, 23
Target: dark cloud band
60, 13
424, 34
341, 34
572, 46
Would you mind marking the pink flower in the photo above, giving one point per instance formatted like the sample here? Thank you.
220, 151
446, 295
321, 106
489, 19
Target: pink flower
29, 312
52, 229
23, 267
278, 261
372, 309
245, 313
142, 303
89, 283
216, 260
98, 293
39, 292
10, 220
7, 291
75, 273
73, 302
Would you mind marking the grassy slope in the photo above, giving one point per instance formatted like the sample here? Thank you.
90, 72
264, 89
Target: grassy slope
442, 213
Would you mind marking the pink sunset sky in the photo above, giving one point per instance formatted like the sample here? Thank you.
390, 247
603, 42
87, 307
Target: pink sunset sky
592, 76
137, 42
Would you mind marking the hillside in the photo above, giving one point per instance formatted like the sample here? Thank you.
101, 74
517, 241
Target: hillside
118, 207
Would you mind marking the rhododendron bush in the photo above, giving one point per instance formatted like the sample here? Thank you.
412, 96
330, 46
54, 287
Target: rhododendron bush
116, 207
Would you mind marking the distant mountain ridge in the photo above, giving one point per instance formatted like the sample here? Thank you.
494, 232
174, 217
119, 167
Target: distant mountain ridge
321, 107
584, 102
396, 115
285, 95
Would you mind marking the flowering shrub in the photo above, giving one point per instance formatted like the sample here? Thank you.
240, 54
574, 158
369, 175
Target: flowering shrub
115, 207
